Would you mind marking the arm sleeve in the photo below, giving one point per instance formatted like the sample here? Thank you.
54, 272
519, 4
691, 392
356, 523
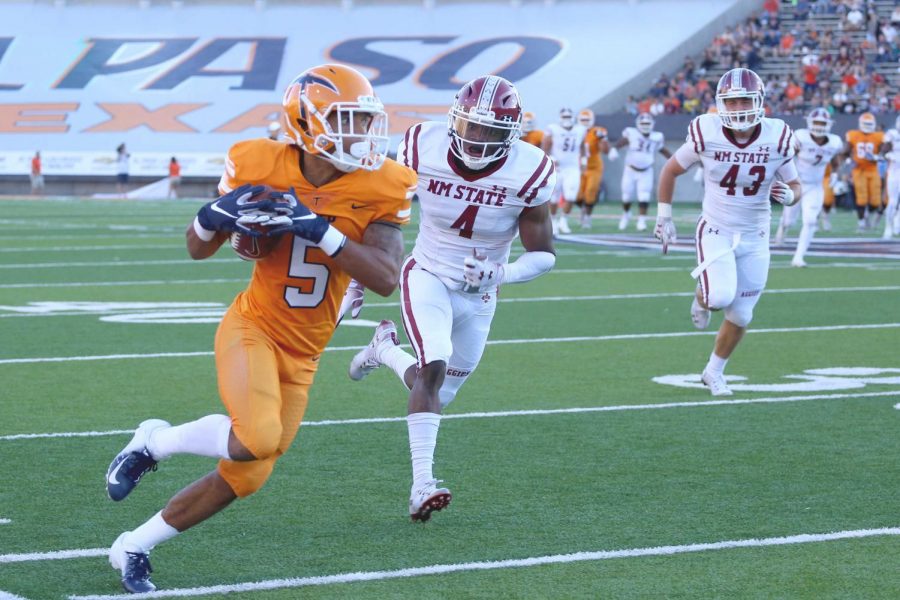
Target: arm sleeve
686, 155
528, 266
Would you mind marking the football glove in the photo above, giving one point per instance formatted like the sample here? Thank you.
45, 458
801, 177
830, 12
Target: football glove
782, 193
480, 273
223, 213
613, 153
307, 225
665, 232
353, 300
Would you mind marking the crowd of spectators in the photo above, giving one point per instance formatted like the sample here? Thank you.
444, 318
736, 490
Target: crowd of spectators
835, 68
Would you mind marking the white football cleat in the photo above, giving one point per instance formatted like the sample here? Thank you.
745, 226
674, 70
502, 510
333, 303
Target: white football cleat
623, 222
699, 316
641, 223
715, 383
798, 262
367, 359
564, 224
825, 221
426, 499
554, 225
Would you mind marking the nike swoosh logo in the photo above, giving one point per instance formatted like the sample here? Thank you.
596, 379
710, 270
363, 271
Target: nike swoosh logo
112, 476
355, 206
215, 207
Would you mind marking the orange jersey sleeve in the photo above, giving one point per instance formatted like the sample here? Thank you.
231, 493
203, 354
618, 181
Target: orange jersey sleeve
535, 138
295, 292
592, 141
865, 145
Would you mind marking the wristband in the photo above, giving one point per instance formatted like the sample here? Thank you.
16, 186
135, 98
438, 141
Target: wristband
664, 210
204, 234
333, 241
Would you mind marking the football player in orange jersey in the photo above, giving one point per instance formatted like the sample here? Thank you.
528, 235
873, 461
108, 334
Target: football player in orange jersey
530, 134
596, 142
348, 203
863, 146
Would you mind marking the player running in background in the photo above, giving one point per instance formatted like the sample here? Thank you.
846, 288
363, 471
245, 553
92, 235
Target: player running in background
891, 151
637, 176
530, 133
564, 143
816, 148
596, 142
344, 220
477, 189
746, 158
863, 146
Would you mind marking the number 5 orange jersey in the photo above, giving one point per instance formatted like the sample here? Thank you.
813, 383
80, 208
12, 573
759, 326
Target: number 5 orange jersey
296, 291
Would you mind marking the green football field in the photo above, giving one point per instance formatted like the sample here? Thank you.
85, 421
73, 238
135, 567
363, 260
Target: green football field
584, 459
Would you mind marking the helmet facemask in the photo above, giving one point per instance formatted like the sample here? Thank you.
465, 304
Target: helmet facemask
644, 123
867, 124
741, 119
480, 139
566, 118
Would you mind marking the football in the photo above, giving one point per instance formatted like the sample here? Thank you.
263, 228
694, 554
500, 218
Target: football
255, 248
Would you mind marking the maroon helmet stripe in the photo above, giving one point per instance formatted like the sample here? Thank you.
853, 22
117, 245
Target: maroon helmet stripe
415, 148
535, 190
693, 137
533, 177
781, 139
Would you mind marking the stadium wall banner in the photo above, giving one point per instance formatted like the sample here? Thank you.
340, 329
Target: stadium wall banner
195, 79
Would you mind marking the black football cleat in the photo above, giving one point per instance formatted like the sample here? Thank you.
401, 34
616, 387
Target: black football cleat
132, 463
134, 567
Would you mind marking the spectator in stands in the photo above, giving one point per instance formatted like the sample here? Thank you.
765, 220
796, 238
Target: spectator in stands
895, 17
37, 176
771, 7
174, 178
801, 9
842, 63
787, 43
810, 75
793, 93
855, 19
123, 159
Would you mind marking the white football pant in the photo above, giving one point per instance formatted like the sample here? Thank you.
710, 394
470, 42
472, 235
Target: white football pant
636, 184
811, 202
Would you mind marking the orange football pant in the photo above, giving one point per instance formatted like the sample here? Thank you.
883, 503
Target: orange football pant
590, 186
265, 390
868, 188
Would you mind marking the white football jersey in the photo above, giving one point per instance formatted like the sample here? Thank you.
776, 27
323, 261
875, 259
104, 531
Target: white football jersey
566, 148
738, 176
460, 212
893, 136
813, 157
642, 148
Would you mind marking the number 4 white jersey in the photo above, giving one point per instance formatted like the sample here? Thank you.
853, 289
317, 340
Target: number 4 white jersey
566, 148
813, 157
642, 148
739, 175
462, 211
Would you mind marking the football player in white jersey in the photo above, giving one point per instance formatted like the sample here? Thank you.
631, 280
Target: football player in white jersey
816, 148
564, 143
891, 150
637, 176
478, 188
747, 159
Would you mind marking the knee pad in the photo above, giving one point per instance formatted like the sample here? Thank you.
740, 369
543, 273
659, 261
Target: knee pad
741, 310
717, 299
245, 478
263, 439
452, 382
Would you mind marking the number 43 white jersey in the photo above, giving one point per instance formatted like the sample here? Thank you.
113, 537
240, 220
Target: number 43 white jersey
739, 175
461, 211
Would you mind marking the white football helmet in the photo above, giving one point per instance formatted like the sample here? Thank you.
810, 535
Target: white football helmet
741, 83
644, 123
566, 118
819, 122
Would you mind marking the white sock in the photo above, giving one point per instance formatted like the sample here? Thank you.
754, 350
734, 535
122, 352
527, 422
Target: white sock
806, 236
398, 360
207, 436
716, 364
423, 430
148, 535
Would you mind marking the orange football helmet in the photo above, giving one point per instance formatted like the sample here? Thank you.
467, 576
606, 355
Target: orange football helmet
586, 117
312, 97
527, 122
867, 122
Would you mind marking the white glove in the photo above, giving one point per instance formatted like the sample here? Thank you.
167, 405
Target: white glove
479, 273
665, 232
832, 180
353, 300
782, 193
613, 153
698, 174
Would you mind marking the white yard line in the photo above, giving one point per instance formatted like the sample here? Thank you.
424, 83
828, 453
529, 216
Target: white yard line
8, 596
75, 284
5, 521
594, 338
36, 249
120, 263
512, 563
507, 413
58, 555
